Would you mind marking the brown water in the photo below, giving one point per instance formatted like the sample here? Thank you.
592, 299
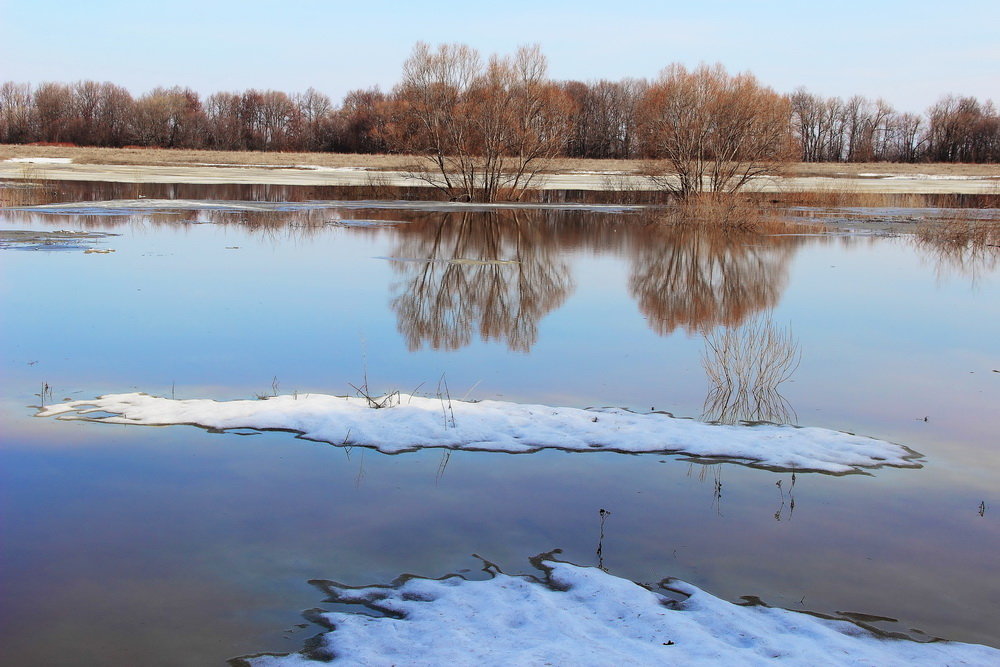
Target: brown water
130, 545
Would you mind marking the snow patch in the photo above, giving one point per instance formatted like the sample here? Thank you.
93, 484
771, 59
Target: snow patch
585, 616
41, 160
309, 167
923, 177
415, 422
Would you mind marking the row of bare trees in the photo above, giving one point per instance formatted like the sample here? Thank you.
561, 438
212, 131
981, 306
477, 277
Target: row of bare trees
454, 103
954, 129
104, 114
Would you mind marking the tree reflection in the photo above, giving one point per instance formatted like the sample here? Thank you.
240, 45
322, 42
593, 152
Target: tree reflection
697, 277
495, 273
481, 274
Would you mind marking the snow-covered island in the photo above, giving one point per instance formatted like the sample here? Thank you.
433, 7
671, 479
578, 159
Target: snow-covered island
407, 423
584, 616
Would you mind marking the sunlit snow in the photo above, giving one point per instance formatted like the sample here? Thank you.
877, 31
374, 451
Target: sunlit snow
414, 422
584, 616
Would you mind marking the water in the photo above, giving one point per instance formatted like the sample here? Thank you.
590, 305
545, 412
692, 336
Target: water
137, 545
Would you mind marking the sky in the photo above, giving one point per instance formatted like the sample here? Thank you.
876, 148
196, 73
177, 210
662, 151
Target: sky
908, 53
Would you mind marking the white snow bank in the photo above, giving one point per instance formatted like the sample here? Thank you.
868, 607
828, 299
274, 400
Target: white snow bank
414, 422
41, 160
584, 616
310, 167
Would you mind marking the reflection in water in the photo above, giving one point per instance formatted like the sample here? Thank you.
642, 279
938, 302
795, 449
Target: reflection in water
604, 514
302, 219
699, 277
787, 501
968, 248
745, 366
491, 275
498, 273
703, 468
494, 273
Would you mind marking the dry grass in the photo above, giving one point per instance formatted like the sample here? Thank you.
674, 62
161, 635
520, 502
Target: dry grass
732, 213
960, 232
832, 197
187, 157
968, 247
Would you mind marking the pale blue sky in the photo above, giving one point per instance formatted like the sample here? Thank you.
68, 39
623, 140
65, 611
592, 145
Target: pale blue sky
910, 53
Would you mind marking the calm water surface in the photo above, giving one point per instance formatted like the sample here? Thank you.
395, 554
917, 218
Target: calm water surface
137, 545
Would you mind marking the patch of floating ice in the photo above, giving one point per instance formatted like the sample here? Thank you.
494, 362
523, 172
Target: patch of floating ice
138, 205
64, 239
317, 167
924, 177
362, 222
414, 422
938, 177
41, 160
583, 616
310, 167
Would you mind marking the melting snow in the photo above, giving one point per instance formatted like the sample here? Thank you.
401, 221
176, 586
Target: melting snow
415, 422
41, 160
584, 616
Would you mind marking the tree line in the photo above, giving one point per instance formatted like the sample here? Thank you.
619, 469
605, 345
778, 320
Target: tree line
595, 119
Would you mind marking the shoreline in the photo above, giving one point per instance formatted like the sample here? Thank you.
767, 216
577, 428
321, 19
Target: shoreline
58, 163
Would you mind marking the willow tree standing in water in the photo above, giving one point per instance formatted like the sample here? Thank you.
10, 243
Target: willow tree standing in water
485, 129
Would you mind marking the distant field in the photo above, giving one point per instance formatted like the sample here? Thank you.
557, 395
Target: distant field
151, 165
186, 157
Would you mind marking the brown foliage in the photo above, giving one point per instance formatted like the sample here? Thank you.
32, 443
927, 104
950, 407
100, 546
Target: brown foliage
710, 131
485, 129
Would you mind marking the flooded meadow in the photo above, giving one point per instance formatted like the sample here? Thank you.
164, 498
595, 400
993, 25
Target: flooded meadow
122, 543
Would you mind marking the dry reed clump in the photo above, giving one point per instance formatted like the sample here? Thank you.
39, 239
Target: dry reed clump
31, 189
838, 198
745, 366
960, 232
967, 246
731, 213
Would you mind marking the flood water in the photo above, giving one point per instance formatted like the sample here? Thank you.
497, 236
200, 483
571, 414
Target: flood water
175, 546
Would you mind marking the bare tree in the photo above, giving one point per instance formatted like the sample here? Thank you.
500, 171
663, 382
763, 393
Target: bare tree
963, 130
362, 122
169, 118
53, 115
16, 110
711, 130
485, 129
101, 114
316, 113
604, 118
907, 142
